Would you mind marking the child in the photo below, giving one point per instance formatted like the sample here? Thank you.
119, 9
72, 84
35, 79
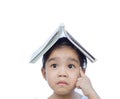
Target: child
63, 70
64, 66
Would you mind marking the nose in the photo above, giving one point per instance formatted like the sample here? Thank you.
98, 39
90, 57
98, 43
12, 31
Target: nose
62, 72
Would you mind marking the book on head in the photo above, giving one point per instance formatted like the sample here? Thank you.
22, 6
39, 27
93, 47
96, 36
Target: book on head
61, 32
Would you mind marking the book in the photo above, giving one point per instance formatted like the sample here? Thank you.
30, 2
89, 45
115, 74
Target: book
61, 32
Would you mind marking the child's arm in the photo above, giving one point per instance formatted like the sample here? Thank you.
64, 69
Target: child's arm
86, 86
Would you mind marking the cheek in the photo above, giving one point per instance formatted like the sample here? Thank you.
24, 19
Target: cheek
50, 76
74, 76
51, 79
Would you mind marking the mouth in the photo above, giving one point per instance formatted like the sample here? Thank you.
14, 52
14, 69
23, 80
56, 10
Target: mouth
62, 83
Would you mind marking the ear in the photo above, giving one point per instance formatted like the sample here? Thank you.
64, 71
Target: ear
84, 70
43, 73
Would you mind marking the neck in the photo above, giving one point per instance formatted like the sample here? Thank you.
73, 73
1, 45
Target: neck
72, 95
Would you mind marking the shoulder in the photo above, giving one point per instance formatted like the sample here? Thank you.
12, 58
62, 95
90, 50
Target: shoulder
84, 97
80, 96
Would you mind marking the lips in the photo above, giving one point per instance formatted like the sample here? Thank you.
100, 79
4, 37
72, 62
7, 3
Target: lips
62, 83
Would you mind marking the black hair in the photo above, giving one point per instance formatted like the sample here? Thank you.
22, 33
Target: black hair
65, 42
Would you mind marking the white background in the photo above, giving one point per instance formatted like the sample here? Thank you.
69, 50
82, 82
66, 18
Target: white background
26, 24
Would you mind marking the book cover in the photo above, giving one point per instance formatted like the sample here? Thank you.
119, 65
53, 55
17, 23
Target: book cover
61, 32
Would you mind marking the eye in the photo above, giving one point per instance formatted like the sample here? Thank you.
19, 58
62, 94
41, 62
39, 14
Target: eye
54, 65
71, 66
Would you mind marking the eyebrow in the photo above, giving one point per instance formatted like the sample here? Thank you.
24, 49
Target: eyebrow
53, 59
73, 59
69, 59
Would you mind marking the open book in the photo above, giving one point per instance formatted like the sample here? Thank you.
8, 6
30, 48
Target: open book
61, 32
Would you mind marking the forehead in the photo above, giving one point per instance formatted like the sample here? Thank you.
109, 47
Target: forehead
64, 52
64, 48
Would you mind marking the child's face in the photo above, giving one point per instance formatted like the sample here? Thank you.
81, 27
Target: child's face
62, 70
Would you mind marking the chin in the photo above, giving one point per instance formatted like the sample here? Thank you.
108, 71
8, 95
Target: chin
63, 92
